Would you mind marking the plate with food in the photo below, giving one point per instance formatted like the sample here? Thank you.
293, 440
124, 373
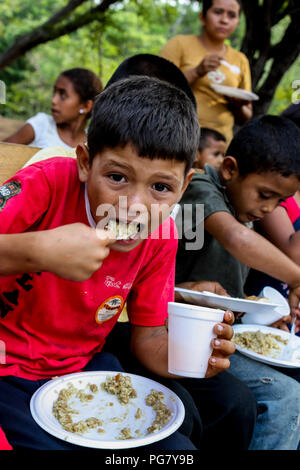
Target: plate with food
107, 410
233, 92
250, 304
269, 345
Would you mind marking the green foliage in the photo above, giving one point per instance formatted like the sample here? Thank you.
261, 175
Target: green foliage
284, 94
130, 27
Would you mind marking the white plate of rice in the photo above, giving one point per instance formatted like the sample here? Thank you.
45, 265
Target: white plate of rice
81, 409
266, 344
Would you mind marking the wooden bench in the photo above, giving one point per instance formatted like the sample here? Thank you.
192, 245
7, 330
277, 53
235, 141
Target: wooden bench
9, 126
13, 157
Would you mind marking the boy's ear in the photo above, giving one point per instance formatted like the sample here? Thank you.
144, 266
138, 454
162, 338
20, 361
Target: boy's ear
83, 162
229, 168
188, 178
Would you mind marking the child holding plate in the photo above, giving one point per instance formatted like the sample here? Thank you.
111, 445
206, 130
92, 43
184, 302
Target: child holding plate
64, 278
207, 61
260, 170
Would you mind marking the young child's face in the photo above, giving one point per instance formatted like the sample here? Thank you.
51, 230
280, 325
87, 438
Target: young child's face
66, 103
256, 195
213, 154
133, 188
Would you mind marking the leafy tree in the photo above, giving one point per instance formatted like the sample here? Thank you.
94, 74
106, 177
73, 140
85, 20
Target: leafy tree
40, 39
272, 44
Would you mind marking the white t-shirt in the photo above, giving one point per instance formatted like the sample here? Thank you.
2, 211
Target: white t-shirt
45, 132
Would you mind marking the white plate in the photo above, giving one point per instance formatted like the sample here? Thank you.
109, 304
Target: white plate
235, 92
208, 299
267, 318
293, 363
42, 402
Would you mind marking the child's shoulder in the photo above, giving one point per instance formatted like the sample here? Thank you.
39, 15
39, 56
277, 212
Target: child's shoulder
55, 164
56, 170
204, 187
207, 176
235, 55
40, 118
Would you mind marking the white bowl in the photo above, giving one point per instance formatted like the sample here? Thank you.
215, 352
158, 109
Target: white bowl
267, 318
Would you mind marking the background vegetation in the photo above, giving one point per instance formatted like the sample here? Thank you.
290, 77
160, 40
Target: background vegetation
128, 27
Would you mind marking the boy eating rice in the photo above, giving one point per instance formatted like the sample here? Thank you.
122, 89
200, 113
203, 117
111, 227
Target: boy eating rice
52, 222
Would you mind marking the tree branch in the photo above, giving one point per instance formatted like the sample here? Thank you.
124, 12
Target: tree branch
51, 29
284, 55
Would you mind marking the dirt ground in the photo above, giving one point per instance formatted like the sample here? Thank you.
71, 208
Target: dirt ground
9, 126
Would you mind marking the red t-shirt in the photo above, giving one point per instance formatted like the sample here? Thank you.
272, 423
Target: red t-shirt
4, 445
52, 326
292, 208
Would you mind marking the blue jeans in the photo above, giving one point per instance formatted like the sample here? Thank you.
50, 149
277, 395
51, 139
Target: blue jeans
278, 396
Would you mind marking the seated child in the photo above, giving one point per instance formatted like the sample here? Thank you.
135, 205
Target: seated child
72, 102
211, 149
260, 170
60, 267
247, 187
281, 227
139, 64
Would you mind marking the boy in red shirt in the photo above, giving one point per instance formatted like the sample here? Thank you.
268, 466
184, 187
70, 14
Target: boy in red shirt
65, 278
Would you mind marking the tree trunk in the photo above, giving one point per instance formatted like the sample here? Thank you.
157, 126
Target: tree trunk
260, 18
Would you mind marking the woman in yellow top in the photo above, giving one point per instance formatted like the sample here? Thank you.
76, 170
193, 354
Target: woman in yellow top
200, 59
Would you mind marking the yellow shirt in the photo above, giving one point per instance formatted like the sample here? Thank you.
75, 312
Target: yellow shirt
186, 51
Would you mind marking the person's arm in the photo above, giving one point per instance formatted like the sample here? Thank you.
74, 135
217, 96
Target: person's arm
25, 135
73, 251
278, 228
256, 252
150, 346
241, 110
209, 63
200, 286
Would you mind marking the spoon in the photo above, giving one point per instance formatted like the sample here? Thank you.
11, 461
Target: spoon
233, 68
291, 346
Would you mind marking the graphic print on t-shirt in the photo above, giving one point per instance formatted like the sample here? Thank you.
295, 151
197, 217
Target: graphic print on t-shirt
7, 191
109, 308
216, 76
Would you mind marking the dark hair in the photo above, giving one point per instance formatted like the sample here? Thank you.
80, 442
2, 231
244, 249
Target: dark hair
86, 84
207, 4
153, 66
292, 113
158, 119
206, 133
267, 143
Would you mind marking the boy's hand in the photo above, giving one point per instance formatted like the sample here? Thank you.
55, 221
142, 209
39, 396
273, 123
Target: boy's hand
200, 286
222, 346
294, 300
73, 251
282, 323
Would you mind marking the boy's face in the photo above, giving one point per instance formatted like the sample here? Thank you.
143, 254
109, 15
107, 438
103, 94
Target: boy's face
213, 154
256, 194
124, 187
